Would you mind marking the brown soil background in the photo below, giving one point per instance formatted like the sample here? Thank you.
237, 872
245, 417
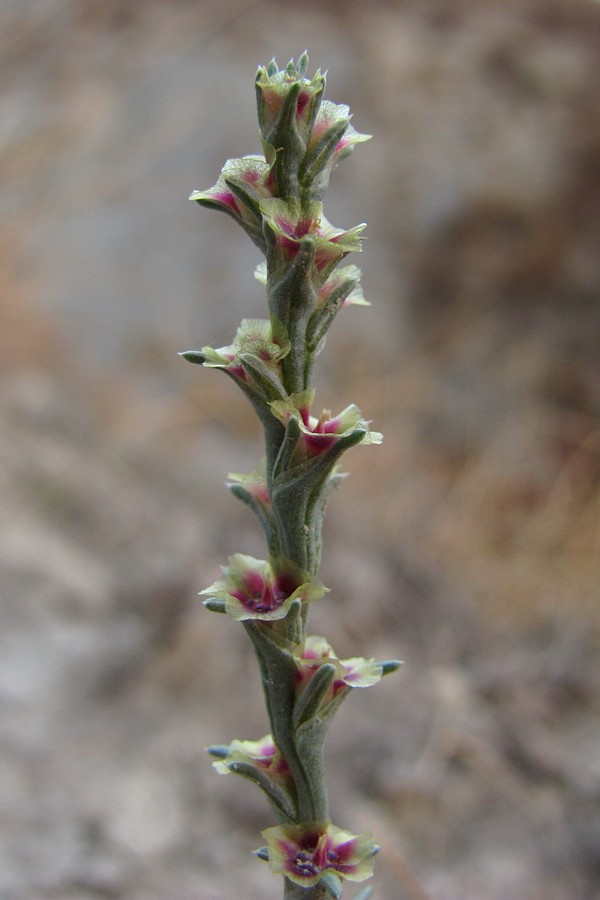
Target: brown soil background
468, 544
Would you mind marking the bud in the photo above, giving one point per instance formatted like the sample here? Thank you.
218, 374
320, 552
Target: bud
288, 103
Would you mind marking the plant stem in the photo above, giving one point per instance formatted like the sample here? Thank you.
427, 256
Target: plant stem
293, 891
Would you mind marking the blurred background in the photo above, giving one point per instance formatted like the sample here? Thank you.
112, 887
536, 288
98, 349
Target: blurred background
468, 544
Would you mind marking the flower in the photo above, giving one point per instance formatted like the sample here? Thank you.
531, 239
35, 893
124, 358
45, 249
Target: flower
254, 483
254, 336
330, 116
315, 651
319, 434
332, 138
263, 754
304, 853
288, 227
342, 287
238, 191
255, 589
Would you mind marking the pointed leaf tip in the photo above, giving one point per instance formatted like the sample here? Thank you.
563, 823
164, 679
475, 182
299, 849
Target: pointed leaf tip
193, 356
214, 604
220, 751
390, 665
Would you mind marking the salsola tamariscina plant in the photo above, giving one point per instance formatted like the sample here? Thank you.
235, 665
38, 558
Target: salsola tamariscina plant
277, 199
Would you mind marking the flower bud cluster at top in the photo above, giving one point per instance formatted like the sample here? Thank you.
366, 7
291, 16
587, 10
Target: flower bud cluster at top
277, 199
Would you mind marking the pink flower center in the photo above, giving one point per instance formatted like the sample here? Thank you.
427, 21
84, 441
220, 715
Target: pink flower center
260, 595
303, 864
227, 199
303, 99
317, 443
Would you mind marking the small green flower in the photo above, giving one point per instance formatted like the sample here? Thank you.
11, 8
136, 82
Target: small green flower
254, 483
343, 286
332, 138
255, 589
288, 227
263, 754
319, 434
315, 651
254, 336
277, 199
330, 116
242, 184
304, 853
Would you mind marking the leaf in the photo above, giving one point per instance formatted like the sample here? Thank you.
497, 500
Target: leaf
332, 884
390, 665
219, 751
311, 699
278, 797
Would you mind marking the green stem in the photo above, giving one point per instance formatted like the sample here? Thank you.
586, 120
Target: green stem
293, 891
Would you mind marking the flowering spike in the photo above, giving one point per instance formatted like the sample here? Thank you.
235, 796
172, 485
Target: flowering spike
276, 197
